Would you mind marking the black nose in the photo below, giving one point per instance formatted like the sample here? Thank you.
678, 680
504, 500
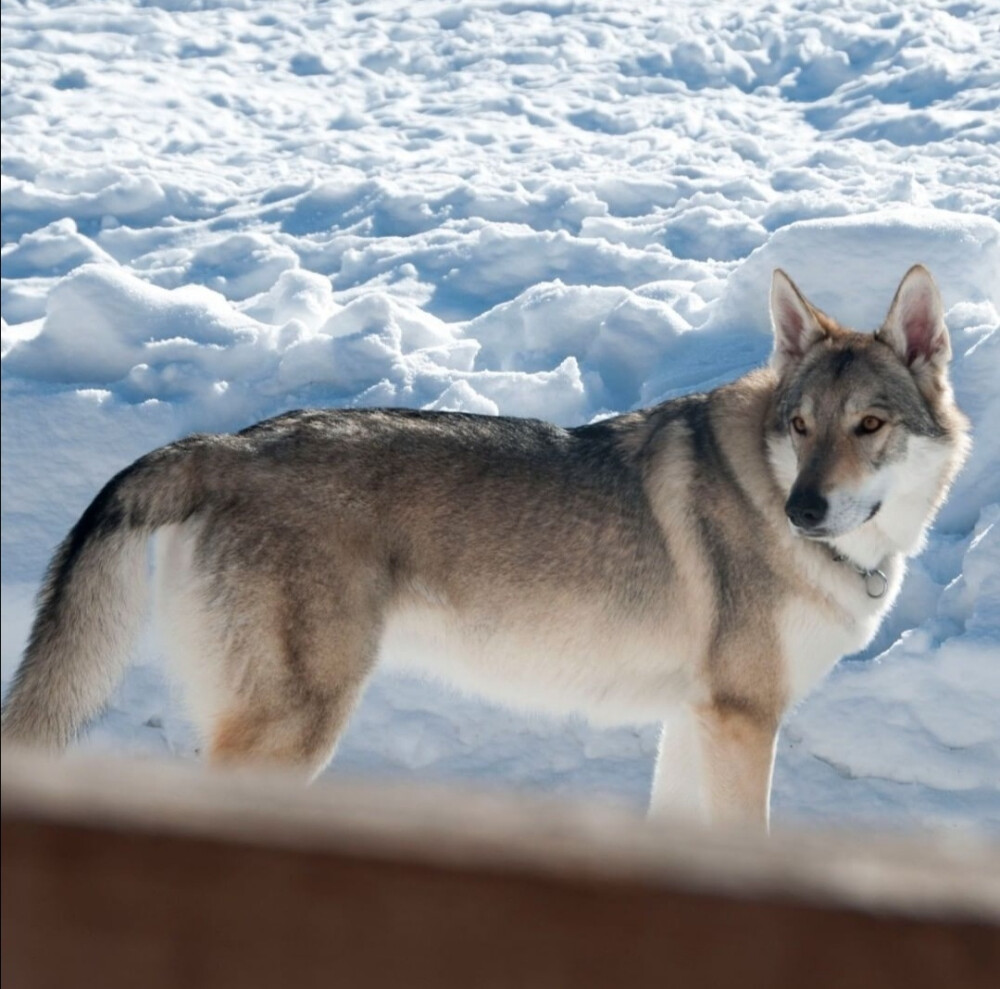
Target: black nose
806, 508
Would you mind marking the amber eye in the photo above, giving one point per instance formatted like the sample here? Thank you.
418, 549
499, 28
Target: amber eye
870, 424
799, 425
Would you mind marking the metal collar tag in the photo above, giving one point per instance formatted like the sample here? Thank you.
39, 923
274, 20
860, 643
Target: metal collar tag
876, 582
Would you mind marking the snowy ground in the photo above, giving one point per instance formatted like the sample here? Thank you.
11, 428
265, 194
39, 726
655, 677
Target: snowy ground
214, 211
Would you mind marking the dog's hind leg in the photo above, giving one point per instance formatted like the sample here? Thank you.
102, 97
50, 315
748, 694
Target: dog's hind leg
292, 684
296, 730
271, 669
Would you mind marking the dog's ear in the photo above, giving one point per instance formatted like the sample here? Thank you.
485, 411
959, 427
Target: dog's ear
915, 328
796, 326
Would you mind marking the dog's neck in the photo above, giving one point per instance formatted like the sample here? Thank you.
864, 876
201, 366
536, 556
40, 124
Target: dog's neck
866, 548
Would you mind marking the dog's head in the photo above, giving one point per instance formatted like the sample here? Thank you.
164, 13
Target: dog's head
865, 429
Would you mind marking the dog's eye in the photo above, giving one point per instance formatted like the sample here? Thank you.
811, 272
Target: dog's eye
870, 424
799, 425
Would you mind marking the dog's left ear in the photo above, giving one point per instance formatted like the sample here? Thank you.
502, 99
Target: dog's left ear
915, 328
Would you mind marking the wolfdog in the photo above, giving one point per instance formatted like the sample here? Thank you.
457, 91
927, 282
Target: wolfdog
702, 562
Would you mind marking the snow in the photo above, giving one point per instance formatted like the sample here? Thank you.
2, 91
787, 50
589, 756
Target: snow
212, 212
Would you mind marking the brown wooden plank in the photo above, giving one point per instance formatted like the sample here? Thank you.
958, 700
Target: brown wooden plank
124, 874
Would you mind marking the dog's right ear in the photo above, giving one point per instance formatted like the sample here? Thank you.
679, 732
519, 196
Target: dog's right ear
796, 327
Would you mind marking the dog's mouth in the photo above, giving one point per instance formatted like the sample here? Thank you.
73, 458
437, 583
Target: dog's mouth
809, 533
821, 532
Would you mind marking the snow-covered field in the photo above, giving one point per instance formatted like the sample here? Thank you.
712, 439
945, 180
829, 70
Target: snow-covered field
213, 211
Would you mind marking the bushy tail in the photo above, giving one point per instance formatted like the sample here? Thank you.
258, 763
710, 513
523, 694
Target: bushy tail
93, 600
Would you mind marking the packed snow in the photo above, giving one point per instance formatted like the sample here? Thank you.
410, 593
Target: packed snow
215, 211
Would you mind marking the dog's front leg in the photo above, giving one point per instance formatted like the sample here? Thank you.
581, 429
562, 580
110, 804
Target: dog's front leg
714, 764
738, 749
679, 778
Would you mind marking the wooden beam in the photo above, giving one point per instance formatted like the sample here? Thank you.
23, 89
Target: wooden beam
119, 873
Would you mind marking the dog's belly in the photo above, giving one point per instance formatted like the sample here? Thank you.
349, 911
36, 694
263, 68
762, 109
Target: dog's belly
622, 671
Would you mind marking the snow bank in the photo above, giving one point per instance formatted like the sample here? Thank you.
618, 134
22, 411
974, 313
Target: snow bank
850, 266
